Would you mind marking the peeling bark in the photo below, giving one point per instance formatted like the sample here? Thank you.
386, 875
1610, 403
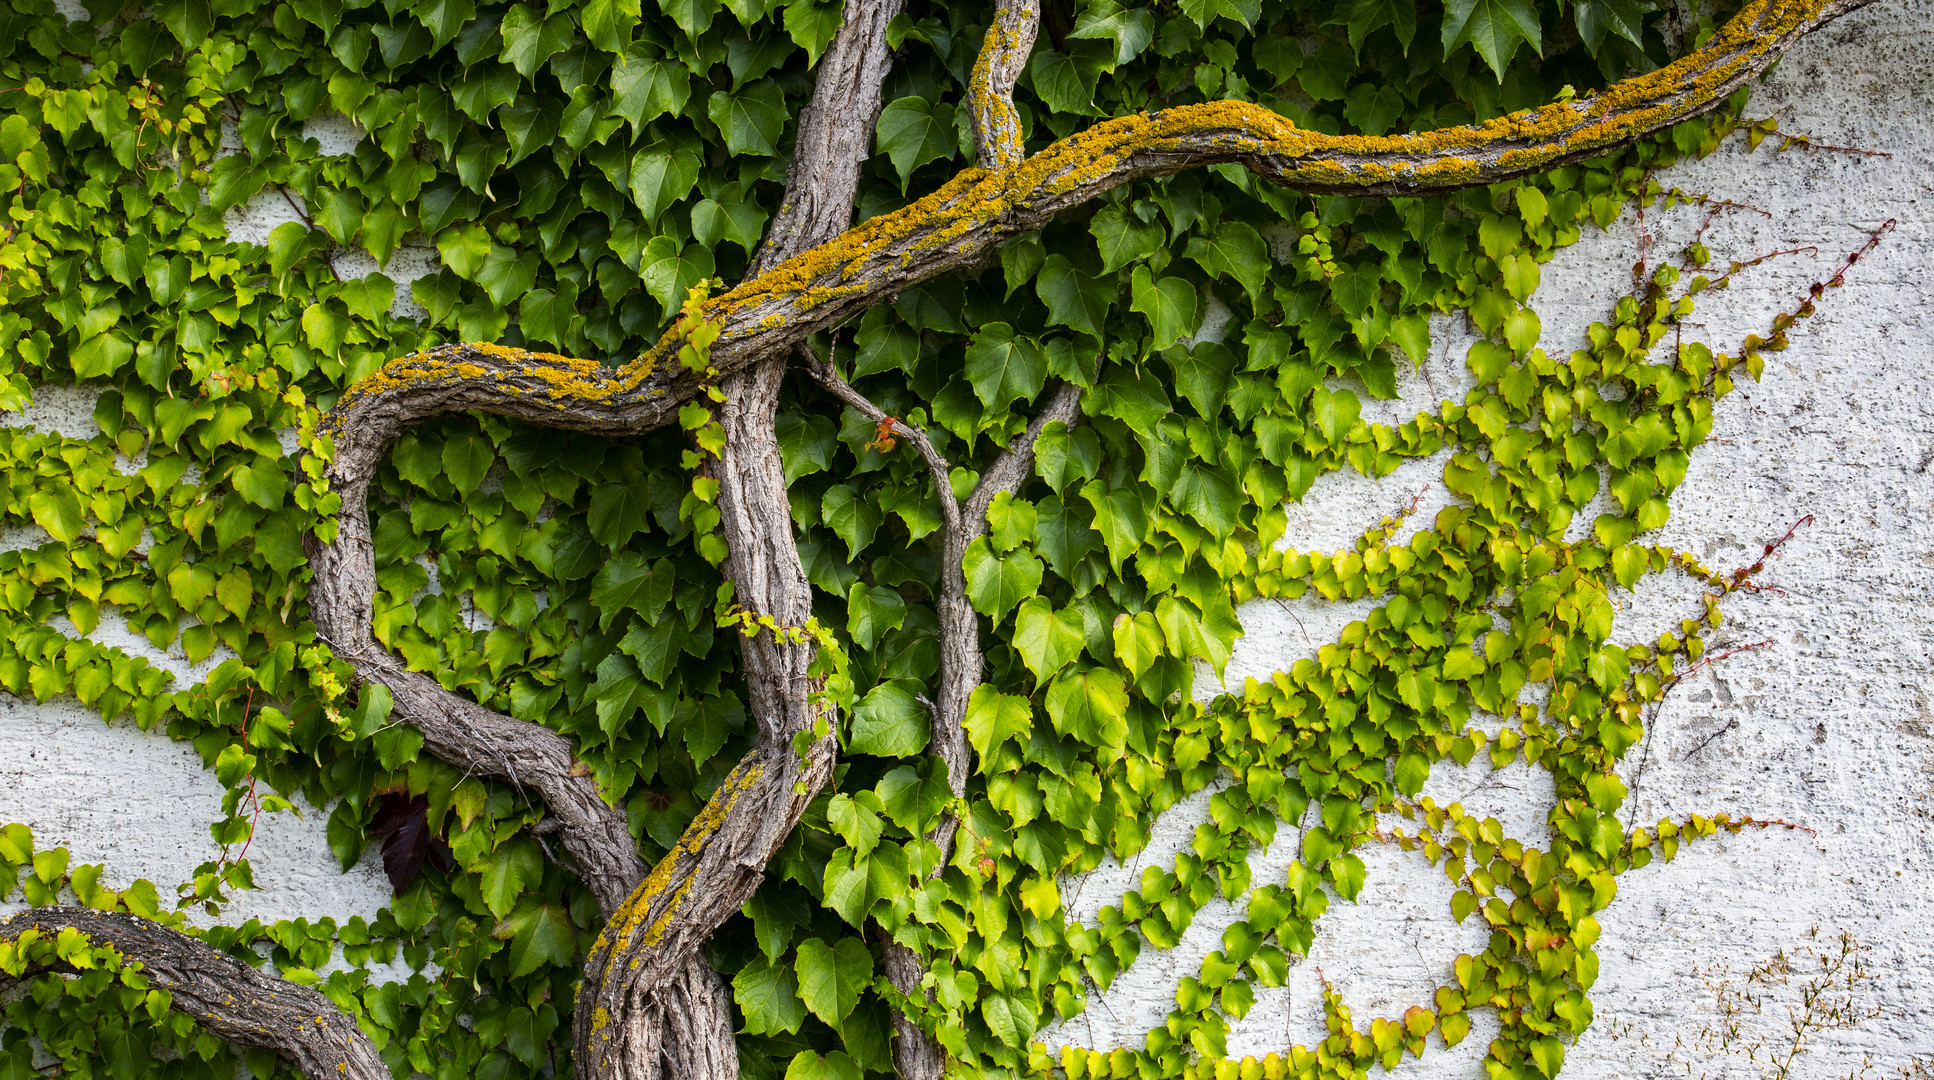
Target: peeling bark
230, 999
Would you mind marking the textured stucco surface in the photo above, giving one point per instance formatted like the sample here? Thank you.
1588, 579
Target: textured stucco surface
1831, 726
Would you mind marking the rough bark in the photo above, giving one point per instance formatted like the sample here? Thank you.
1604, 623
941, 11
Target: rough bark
835, 135
720, 861
227, 997
1003, 57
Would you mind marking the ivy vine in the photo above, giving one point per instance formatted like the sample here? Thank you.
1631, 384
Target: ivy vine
583, 172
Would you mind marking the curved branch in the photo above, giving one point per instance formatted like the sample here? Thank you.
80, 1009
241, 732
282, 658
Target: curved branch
1003, 56
721, 859
960, 654
835, 135
230, 999
955, 226
655, 931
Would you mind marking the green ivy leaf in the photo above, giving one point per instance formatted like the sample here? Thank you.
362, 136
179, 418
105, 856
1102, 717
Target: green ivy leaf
628, 583
1075, 299
996, 583
831, 977
670, 272
1596, 18
752, 119
1003, 367
1091, 704
1235, 249
539, 934
890, 721
913, 131
852, 518
871, 611
659, 177
1047, 639
529, 38
768, 996
58, 510
1169, 303
993, 718
608, 23
1130, 30
1492, 27
812, 26
807, 1065
1124, 238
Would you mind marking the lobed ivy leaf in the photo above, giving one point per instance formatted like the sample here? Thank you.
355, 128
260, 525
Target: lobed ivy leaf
913, 131
1494, 28
1003, 366
768, 996
890, 721
1047, 639
831, 977
996, 583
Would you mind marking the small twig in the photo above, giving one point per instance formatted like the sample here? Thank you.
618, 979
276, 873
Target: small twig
822, 370
299, 211
1727, 726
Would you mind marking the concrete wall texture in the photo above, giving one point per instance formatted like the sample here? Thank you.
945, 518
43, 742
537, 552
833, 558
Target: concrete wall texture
1830, 726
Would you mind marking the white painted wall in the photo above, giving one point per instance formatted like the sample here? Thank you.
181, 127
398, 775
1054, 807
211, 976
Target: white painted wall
1832, 727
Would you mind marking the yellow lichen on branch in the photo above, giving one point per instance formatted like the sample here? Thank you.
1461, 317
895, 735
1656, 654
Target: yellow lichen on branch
979, 208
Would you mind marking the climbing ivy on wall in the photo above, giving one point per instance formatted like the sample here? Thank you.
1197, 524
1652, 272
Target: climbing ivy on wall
579, 170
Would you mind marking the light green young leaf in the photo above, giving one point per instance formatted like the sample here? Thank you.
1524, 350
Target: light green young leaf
1091, 704
996, 583
890, 721
1046, 639
993, 718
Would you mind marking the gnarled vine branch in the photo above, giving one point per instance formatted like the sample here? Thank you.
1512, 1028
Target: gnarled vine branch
226, 996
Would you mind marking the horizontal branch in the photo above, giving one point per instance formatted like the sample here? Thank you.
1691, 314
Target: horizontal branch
230, 999
966, 218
